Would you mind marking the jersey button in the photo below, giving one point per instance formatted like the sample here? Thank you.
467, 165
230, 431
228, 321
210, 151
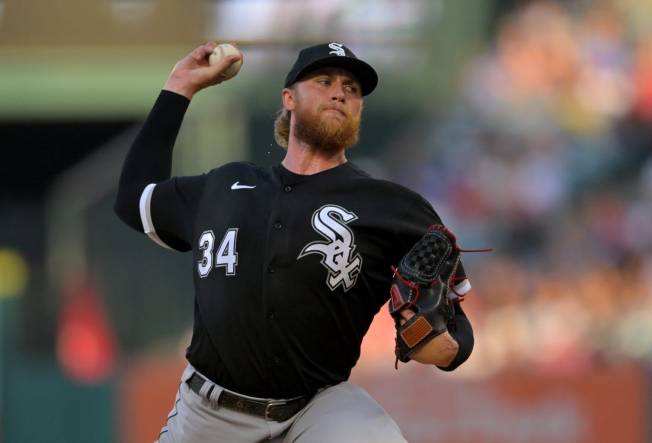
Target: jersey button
276, 360
270, 315
271, 270
278, 225
287, 188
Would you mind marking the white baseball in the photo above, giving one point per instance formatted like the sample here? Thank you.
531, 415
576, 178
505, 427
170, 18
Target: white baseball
221, 51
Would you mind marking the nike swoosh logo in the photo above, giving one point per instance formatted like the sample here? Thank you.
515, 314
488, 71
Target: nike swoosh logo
237, 185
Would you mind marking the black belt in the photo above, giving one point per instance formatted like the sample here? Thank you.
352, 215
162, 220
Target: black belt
271, 410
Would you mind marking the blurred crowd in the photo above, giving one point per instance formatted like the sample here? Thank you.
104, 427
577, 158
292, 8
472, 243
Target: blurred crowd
545, 156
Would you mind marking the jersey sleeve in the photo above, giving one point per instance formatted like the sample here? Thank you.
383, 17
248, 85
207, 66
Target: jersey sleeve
149, 159
414, 223
462, 331
168, 211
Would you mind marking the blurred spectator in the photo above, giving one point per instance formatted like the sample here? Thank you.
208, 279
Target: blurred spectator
546, 156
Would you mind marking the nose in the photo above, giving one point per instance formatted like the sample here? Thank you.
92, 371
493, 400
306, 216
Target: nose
338, 93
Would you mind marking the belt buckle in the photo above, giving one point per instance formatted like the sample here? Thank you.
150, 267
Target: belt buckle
270, 404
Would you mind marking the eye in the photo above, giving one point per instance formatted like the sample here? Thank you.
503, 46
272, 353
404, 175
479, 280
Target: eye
353, 89
324, 81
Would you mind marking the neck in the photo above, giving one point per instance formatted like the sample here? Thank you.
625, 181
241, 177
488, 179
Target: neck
302, 159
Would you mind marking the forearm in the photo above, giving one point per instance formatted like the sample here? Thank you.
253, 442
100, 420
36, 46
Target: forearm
440, 351
451, 348
462, 333
150, 157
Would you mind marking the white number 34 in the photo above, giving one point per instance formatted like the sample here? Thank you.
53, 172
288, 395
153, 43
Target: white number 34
226, 255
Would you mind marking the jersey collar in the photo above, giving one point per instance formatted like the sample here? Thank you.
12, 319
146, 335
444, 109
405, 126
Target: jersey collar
288, 177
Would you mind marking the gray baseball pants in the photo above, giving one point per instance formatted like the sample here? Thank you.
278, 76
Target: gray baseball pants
344, 413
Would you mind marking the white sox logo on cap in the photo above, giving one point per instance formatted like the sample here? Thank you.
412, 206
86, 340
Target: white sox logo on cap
336, 55
338, 252
337, 49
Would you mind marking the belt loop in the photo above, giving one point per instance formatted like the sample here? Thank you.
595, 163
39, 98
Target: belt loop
187, 373
214, 396
205, 388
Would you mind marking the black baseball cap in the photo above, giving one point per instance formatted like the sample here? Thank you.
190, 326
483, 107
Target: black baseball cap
336, 55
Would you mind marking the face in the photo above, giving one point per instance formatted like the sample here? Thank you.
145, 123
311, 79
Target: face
326, 106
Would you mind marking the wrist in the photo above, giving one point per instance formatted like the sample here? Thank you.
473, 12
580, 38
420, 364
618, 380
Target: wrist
180, 88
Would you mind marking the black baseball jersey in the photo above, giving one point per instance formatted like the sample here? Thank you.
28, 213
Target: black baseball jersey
289, 270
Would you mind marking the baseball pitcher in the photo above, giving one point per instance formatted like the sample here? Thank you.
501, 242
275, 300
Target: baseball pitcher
292, 262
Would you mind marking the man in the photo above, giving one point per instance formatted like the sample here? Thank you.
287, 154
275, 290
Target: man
291, 262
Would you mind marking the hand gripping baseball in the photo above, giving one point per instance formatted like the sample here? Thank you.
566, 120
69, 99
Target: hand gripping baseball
194, 72
421, 283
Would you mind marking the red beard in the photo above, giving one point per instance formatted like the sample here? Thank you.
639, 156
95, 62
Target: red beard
324, 132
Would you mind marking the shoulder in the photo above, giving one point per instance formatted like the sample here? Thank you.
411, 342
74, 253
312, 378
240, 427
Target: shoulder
389, 189
239, 170
225, 171
234, 167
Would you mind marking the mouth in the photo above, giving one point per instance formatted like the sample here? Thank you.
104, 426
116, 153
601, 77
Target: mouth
336, 110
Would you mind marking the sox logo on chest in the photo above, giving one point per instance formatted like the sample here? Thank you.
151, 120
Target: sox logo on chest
330, 221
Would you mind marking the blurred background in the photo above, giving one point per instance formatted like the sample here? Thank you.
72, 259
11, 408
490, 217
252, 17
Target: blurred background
527, 124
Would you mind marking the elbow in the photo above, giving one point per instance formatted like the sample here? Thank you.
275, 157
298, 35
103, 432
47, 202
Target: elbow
128, 212
120, 211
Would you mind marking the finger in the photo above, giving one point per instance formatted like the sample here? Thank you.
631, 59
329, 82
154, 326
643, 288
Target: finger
230, 59
208, 48
215, 74
199, 53
225, 63
407, 314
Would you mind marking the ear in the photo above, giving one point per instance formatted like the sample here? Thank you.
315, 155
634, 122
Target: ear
288, 99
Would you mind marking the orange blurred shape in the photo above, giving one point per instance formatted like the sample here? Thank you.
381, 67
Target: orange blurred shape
86, 347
